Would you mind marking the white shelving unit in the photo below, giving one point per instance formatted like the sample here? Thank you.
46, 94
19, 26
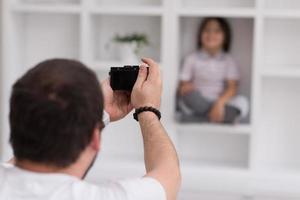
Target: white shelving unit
255, 160
1, 64
106, 26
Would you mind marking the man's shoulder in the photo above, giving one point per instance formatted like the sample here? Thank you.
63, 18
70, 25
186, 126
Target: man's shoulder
3, 169
138, 188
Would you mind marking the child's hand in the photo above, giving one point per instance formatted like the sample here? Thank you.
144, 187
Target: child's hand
185, 88
217, 112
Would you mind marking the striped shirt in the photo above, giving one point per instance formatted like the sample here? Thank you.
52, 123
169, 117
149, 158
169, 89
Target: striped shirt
209, 73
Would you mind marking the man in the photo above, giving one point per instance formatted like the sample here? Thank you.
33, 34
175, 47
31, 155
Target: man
56, 113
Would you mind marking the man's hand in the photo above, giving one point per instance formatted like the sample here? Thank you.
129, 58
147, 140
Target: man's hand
116, 103
148, 88
217, 112
161, 159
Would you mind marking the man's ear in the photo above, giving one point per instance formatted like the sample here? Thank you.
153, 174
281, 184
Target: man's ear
96, 139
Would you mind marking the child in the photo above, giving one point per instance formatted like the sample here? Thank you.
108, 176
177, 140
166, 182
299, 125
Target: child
209, 78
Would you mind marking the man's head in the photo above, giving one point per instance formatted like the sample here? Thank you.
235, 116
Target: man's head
55, 111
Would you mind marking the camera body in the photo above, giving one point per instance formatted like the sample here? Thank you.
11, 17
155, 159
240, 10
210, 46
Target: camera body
123, 78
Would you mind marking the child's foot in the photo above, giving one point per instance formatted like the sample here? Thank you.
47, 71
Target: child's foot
232, 115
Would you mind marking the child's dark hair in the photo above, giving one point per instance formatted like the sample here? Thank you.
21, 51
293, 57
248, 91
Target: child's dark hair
225, 28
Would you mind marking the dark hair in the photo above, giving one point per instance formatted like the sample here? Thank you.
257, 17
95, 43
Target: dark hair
54, 109
225, 28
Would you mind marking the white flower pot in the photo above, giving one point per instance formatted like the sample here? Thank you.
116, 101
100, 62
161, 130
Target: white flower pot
127, 53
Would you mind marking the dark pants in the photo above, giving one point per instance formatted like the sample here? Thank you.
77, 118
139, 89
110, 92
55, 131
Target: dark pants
200, 106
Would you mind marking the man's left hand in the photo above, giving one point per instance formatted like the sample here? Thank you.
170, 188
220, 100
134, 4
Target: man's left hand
116, 103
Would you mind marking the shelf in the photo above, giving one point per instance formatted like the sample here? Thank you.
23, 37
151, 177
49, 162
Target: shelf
214, 128
266, 182
24, 8
217, 4
199, 177
241, 51
46, 36
132, 11
129, 3
104, 66
281, 14
281, 72
195, 174
49, 2
281, 46
279, 129
282, 4
191, 167
210, 195
281, 171
105, 27
202, 12
105, 10
214, 176
216, 149
194, 167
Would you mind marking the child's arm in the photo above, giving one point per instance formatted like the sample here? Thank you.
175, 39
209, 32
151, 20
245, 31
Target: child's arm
185, 87
217, 112
186, 75
229, 92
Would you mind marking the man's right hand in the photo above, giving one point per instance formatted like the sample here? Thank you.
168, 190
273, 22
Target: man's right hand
148, 87
161, 159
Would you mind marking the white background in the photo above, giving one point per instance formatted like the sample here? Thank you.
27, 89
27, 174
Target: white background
257, 159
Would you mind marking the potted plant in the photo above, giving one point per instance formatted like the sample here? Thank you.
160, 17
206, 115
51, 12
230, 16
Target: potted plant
130, 46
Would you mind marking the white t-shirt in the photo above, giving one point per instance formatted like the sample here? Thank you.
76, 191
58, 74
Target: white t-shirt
18, 184
209, 73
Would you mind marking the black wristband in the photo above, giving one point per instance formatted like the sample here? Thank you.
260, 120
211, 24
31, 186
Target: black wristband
146, 109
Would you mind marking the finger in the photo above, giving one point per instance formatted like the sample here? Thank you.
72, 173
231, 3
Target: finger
105, 86
153, 68
141, 77
104, 82
149, 61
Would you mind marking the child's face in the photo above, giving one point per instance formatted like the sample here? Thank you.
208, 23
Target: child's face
212, 37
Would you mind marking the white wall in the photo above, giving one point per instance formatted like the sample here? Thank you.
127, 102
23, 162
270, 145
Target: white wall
0, 68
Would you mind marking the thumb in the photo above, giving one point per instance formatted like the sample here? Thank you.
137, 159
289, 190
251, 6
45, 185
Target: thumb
142, 76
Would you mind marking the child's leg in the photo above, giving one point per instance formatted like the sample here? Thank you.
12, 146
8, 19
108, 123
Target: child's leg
197, 103
231, 114
241, 103
236, 109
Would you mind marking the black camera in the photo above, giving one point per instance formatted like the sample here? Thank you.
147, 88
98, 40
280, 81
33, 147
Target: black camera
123, 78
